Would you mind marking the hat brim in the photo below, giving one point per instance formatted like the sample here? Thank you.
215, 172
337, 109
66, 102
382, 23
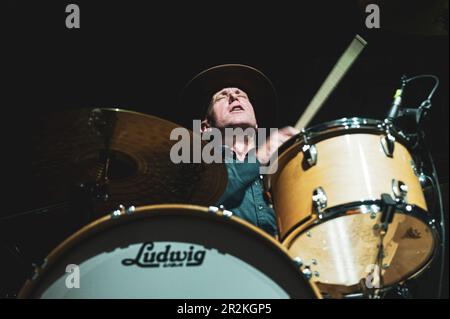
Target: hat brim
198, 92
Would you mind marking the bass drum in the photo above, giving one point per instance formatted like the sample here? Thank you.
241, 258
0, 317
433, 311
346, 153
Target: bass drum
169, 251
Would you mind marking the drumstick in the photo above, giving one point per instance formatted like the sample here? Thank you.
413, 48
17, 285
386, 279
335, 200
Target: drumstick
337, 73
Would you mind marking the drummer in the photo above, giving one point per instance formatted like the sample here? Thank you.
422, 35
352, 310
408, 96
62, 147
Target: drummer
239, 96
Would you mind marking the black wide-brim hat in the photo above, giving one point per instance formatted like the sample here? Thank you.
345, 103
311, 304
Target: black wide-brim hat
197, 94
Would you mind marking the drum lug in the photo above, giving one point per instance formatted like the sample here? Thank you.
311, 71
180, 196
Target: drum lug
422, 179
418, 172
307, 273
403, 291
121, 210
388, 144
44, 263
118, 212
220, 211
400, 190
298, 261
35, 275
319, 199
414, 168
432, 223
310, 154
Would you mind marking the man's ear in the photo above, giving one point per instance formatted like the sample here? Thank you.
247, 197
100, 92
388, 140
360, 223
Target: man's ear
205, 125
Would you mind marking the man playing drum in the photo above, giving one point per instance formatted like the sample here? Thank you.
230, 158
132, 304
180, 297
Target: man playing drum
233, 96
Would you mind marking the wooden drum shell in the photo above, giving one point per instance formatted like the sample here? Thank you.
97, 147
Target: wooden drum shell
349, 168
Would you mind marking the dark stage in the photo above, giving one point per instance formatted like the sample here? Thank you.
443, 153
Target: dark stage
139, 57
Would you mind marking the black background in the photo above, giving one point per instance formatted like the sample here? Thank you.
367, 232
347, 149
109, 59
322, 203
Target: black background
139, 57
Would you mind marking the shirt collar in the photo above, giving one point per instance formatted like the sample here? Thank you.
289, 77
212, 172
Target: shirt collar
228, 153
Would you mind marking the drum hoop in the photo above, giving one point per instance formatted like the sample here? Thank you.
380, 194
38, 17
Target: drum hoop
342, 126
331, 129
346, 124
359, 295
341, 210
110, 221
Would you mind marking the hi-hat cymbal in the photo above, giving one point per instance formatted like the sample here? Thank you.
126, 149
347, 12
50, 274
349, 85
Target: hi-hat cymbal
129, 149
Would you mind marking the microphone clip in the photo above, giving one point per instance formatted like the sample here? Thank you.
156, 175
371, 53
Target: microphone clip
398, 96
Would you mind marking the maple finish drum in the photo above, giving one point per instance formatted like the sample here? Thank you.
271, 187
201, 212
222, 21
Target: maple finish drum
169, 251
331, 191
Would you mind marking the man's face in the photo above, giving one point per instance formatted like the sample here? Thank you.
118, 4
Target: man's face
231, 107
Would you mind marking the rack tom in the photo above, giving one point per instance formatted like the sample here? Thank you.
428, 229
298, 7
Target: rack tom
327, 197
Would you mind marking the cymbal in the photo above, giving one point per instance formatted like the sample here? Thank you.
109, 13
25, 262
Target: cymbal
127, 153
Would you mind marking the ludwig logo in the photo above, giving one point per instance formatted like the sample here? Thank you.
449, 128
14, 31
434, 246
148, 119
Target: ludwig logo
152, 257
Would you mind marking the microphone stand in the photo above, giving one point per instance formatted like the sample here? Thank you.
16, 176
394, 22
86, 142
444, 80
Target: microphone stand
421, 147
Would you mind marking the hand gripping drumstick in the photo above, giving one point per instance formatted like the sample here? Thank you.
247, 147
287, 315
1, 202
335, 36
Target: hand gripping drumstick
342, 66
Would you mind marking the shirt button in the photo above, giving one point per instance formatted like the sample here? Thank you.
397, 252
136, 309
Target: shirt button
260, 207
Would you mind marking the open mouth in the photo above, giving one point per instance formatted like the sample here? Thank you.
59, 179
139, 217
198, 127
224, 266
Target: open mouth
237, 109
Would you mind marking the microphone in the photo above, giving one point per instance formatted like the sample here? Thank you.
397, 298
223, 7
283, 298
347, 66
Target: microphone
395, 107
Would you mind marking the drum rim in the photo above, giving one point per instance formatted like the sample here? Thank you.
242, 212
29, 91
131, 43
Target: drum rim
114, 219
346, 123
331, 129
339, 211
358, 294
321, 131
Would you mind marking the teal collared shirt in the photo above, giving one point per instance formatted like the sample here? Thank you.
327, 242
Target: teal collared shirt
244, 194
